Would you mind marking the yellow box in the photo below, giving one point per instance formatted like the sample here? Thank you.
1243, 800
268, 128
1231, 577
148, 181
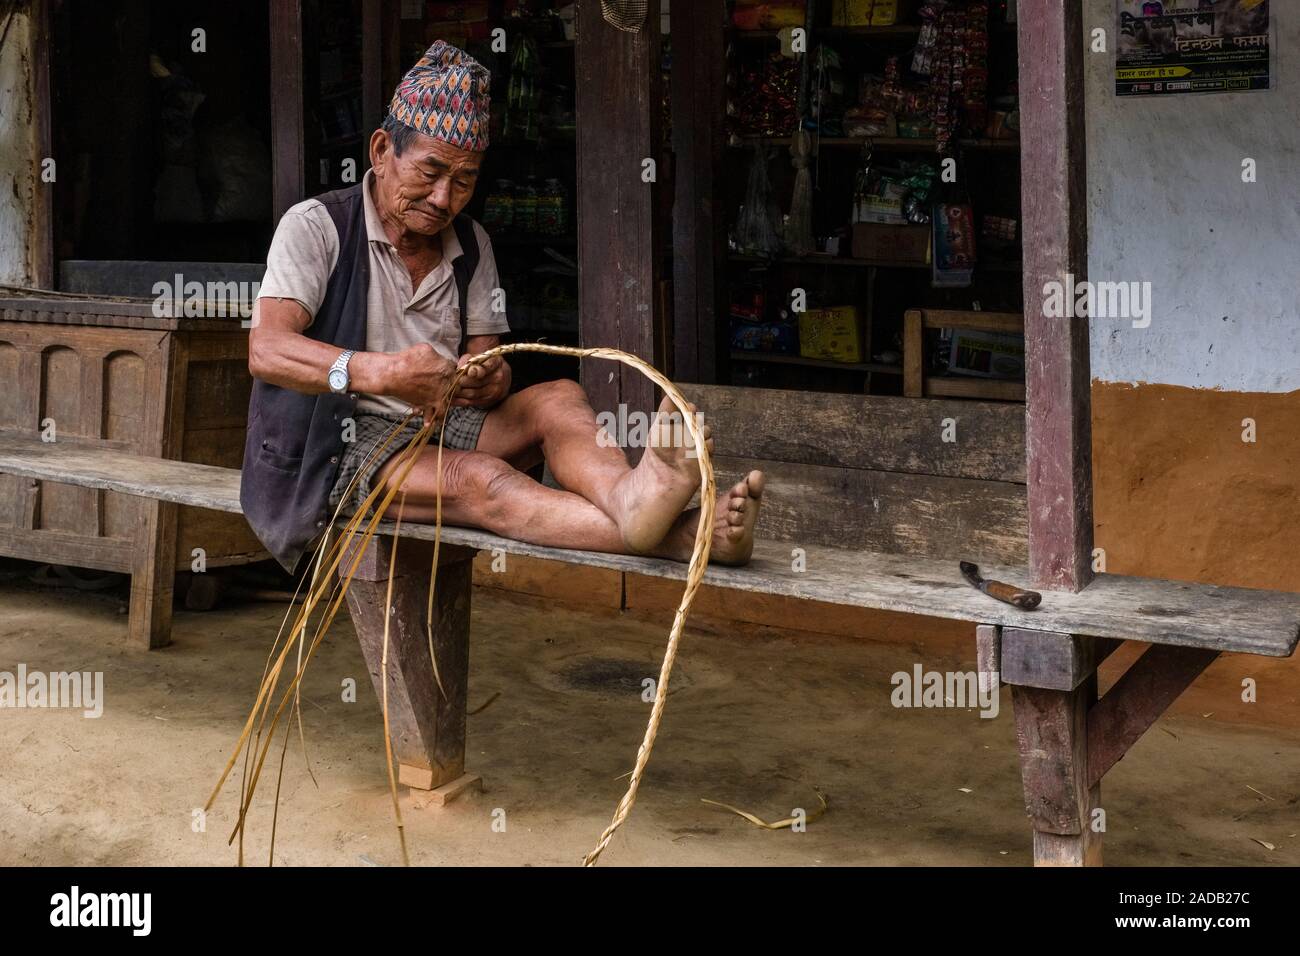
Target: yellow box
886, 13
832, 334
851, 13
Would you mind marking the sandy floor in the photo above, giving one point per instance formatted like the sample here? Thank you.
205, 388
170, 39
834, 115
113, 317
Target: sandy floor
756, 719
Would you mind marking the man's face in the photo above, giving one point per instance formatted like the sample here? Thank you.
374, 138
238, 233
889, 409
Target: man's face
426, 187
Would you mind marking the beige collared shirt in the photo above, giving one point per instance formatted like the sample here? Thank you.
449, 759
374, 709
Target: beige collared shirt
306, 248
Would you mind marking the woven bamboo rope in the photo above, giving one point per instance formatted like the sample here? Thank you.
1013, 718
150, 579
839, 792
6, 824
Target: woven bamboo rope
329, 557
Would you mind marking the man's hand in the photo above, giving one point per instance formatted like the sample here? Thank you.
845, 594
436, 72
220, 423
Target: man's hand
420, 376
483, 385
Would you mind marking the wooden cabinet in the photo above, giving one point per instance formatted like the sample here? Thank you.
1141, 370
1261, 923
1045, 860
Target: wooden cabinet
110, 373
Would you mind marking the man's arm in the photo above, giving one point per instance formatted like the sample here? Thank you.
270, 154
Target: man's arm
280, 354
484, 385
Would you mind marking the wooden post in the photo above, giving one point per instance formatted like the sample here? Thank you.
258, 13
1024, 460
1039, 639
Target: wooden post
1054, 685
372, 72
1052, 735
42, 240
619, 235
428, 729
153, 565
699, 248
1054, 208
287, 143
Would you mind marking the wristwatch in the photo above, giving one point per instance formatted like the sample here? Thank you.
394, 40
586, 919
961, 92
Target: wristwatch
338, 373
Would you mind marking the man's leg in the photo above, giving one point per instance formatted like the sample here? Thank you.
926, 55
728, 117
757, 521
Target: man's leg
554, 421
482, 491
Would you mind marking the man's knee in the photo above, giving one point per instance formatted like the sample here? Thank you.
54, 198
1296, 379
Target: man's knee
482, 484
562, 393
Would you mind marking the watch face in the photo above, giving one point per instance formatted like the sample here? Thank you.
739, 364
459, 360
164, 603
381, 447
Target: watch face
338, 379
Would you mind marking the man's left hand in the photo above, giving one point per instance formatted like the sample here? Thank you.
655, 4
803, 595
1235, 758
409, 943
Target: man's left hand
484, 385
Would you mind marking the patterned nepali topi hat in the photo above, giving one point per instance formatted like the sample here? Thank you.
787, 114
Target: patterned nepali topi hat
446, 96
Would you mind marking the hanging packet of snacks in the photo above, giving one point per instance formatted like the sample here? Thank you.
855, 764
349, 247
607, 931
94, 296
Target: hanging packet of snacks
757, 229
953, 51
523, 92
764, 101
828, 93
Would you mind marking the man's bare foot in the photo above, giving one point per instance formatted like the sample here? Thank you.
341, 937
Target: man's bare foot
652, 495
734, 518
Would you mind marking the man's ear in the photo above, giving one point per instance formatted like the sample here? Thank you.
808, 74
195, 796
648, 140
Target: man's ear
381, 149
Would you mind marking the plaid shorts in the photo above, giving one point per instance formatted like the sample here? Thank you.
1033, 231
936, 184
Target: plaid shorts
362, 459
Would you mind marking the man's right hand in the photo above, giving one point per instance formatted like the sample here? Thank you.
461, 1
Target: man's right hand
420, 376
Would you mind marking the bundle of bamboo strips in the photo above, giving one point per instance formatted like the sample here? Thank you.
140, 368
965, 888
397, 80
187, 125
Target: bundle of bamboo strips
328, 588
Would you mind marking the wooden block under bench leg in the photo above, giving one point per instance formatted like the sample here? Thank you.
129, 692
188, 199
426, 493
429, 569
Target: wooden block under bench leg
422, 797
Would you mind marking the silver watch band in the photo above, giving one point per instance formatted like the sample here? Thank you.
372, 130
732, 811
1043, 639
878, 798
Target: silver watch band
341, 365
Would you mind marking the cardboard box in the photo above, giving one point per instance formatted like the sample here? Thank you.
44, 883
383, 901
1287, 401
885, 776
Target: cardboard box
876, 13
905, 245
832, 334
985, 354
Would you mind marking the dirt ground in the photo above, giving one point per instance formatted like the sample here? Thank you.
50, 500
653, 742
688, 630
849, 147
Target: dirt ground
757, 719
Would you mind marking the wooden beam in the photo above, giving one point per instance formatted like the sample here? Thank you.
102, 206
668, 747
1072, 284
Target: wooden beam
619, 234
1050, 659
699, 104
1054, 208
1137, 700
287, 142
988, 654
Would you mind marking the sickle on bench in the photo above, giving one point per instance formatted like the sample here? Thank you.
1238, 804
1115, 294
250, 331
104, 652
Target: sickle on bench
1008, 593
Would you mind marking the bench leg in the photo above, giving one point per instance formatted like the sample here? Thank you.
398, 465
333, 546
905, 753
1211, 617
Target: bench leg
149, 624
428, 729
1068, 738
1052, 736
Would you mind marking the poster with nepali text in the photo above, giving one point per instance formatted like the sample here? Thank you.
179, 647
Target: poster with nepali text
1192, 46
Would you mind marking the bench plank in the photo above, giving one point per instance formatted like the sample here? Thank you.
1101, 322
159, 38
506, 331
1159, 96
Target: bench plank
871, 432
855, 509
1126, 608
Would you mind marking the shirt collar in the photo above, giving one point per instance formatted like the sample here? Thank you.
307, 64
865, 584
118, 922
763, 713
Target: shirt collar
451, 248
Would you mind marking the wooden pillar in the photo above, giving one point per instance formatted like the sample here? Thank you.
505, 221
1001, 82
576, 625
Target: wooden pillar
428, 728
391, 66
699, 102
372, 70
42, 246
287, 143
1055, 232
619, 236
26, 206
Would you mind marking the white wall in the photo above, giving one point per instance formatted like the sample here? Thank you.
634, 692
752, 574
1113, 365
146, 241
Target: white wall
19, 176
1166, 204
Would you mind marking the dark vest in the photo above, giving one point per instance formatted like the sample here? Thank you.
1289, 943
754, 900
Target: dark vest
291, 456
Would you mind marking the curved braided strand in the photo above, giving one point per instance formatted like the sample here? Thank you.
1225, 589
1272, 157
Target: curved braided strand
695, 571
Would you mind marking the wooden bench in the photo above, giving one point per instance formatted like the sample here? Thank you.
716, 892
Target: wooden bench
820, 493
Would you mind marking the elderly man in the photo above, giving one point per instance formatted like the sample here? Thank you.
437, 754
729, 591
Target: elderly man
371, 294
